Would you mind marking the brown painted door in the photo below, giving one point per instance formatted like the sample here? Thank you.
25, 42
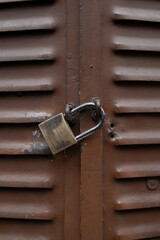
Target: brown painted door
57, 51
32, 75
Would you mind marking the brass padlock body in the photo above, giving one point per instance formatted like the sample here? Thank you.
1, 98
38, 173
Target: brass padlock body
57, 133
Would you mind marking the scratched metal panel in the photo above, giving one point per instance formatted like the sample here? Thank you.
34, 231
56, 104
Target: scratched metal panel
32, 50
131, 76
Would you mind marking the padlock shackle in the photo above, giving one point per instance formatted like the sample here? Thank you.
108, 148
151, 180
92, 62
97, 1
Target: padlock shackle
84, 106
89, 105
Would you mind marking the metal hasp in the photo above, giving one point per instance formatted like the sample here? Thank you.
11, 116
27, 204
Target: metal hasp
58, 133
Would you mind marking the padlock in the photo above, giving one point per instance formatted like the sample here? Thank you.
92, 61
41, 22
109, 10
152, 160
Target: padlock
58, 133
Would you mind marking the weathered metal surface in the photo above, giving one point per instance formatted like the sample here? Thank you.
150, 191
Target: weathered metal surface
130, 59
72, 155
32, 76
111, 49
91, 148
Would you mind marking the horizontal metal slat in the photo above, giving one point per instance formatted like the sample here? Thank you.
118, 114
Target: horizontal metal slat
137, 106
129, 197
24, 211
27, 180
138, 201
127, 43
137, 14
22, 85
26, 204
140, 235
136, 74
27, 172
27, 18
32, 54
22, 140
137, 138
29, 230
32, 23
137, 170
28, 77
24, 47
139, 225
30, 107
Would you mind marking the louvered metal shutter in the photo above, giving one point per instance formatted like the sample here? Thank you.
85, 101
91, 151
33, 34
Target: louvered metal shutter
131, 67
32, 50
118, 61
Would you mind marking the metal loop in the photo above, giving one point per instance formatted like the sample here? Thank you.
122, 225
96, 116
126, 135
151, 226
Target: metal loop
68, 116
89, 106
97, 113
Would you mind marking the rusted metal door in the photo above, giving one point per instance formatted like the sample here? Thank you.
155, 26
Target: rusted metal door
55, 52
